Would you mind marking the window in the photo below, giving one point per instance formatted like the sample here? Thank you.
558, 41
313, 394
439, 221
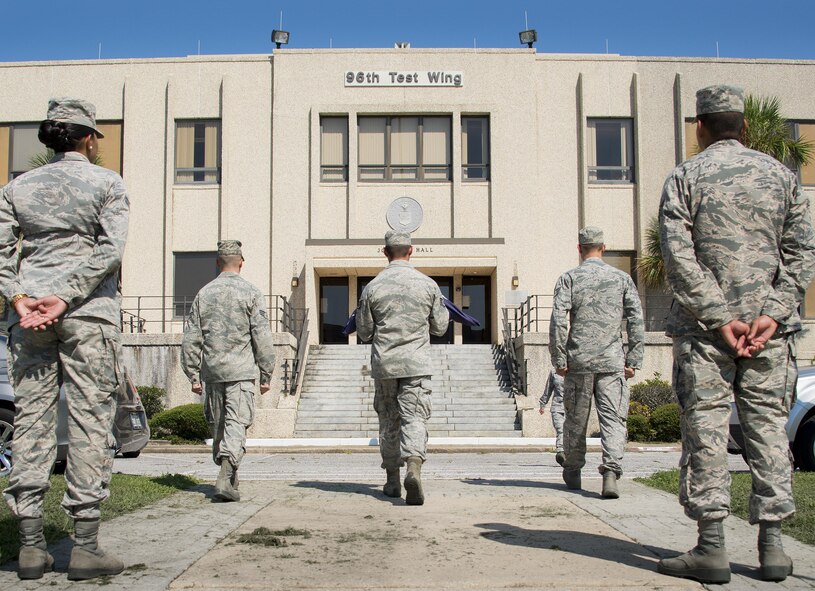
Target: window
333, 149
475, 148
404, 149
691, 145
193, 270
110, 146
808, 305
806, 174
611, 150
21, 150
24, 148
622, 260
198, 151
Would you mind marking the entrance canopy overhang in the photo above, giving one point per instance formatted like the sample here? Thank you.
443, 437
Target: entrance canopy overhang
369, 266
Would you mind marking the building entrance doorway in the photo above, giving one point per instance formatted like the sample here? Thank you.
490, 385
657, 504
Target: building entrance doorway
333, 310
475, 300
446, 287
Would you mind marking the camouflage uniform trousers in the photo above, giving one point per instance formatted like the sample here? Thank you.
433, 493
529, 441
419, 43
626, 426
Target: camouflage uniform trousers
558, 419
229, 408
610, 393
82, 354
403, 406
706, 375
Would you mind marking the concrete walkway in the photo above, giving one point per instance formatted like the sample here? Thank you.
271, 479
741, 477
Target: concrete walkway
492, 532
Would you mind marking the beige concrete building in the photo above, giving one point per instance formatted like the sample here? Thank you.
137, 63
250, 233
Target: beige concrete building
493, 158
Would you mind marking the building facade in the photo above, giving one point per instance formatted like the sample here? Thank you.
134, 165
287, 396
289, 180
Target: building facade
492, 158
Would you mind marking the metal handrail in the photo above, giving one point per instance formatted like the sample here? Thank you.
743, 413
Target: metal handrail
517, 378
152, 313
531, 316
300, 358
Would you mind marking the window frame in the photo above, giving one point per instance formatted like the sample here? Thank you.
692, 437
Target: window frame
198, 169
627, 152
486, 146
185, 301
795, 133
343, 168
13, 174
421, 167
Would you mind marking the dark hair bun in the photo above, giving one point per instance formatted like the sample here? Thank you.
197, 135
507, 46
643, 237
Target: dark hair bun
54, 135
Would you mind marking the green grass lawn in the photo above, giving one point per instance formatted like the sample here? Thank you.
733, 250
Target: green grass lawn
801, 527
128, 493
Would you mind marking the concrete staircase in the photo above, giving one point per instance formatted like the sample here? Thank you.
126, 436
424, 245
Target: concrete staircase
471, 393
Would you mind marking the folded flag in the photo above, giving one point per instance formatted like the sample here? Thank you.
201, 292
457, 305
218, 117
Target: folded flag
458, 315
351, 325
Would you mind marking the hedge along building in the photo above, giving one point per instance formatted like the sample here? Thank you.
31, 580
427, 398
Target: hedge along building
493, 158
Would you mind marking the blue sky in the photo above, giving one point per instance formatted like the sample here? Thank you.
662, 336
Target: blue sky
52, 30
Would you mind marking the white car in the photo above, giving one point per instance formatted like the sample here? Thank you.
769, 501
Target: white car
130, 427
800, 425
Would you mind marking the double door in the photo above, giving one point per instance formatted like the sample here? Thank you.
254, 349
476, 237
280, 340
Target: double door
475, 300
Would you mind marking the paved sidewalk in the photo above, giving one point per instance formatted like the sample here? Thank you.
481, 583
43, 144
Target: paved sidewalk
496, 531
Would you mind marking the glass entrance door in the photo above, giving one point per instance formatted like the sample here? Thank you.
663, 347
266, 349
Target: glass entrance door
333, 310
475, 300
446, 287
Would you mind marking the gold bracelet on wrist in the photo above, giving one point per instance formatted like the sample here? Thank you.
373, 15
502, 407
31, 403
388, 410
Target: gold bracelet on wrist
16, 298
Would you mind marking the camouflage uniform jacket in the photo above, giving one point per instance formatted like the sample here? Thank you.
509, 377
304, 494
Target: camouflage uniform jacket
737, 240
72, 216
399, 308
227, 336
590, 303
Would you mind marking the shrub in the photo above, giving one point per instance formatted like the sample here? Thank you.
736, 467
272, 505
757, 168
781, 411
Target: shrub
665, 422
638, 408
653, 392
152, 399
639, 428
182, 424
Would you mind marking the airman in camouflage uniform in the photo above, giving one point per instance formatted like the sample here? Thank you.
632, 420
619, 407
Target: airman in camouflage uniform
399, 309
586, 345
554, 392
71, 219
739, 251
226, 339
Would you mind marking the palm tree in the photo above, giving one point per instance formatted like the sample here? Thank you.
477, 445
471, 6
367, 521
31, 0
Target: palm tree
650, 265
768, 132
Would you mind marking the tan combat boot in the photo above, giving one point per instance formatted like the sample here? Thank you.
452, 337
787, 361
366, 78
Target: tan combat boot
572, 479
224, 488
393, 487
413, 482
34, 557
707, 562
775, 564
88, 560
610, 490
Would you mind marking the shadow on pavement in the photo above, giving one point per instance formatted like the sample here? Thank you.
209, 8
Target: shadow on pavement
576, 542
591, 545
528, 484
372, 490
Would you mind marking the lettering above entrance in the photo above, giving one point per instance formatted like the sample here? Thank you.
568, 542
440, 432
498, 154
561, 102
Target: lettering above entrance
405, 215
412, 78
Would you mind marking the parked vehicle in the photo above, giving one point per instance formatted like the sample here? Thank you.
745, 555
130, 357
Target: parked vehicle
130, 426
800, 425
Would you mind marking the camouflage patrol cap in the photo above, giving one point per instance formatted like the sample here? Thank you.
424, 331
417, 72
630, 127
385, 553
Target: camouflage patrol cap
393, 238
72, 110
229, 248
590, 235
719, 98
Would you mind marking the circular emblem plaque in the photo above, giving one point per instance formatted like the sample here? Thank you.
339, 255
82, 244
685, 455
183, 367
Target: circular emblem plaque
405, 215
